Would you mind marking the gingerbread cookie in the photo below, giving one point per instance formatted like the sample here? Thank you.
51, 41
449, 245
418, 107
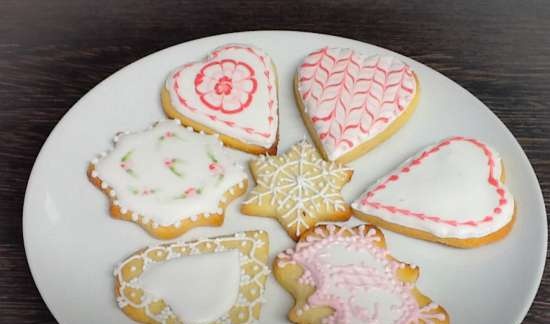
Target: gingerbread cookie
298, 188
350, 102
168, 179
233, 93
144, 307
451, 193
339, 275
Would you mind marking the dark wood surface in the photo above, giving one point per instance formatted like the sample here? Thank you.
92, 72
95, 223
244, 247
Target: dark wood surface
53, 52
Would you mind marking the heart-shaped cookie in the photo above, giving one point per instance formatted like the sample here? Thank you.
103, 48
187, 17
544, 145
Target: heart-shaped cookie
451, 193
143, 306
350, 102
233, 93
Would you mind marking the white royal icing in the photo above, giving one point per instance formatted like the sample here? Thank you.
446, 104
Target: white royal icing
350, 97
233, 91
299, 184
451, 190
193, 285
168, 172
132, 275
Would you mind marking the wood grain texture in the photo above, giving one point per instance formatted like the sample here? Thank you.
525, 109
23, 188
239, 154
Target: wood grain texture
53, 52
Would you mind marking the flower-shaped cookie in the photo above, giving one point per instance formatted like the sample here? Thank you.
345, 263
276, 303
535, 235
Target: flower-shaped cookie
298, 188
168, 179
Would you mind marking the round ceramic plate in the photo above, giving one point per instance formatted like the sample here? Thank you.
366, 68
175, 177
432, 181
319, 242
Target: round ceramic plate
72, 244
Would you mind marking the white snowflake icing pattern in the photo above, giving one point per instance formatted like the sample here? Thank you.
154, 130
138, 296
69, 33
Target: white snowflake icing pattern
300, 186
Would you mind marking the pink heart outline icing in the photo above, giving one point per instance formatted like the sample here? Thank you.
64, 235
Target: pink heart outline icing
366, 200
228, 122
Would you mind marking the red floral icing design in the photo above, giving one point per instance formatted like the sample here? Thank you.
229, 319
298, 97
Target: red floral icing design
215, 168
126, 163
142, 192
226, 85
190, 193
220, 84
171, 164
369, 198
351, 98
168, 135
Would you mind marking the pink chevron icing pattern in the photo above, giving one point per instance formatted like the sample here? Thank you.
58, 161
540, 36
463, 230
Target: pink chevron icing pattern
351, 98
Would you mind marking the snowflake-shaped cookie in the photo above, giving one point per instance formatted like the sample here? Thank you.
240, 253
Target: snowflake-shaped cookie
298, 188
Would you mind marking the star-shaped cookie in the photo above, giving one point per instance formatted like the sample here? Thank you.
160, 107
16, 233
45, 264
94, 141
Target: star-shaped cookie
298, 188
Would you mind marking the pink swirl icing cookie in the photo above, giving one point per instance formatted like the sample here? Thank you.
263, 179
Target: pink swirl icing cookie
233, 93
451, 193
350, 102
339, 275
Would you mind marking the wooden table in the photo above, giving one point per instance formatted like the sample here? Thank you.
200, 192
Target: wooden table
53, 52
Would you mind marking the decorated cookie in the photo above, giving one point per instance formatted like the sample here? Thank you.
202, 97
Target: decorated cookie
233, 93
339, 275
168, 179
350, 102
298, 188
451, 193
144, 307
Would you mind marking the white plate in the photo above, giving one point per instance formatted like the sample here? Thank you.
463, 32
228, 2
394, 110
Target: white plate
72, 244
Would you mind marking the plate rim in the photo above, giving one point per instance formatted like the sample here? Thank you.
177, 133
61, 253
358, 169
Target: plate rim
72, 110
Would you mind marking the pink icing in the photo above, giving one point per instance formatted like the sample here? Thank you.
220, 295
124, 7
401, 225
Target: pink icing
230, 91
360, 278
350, 98
226, 85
